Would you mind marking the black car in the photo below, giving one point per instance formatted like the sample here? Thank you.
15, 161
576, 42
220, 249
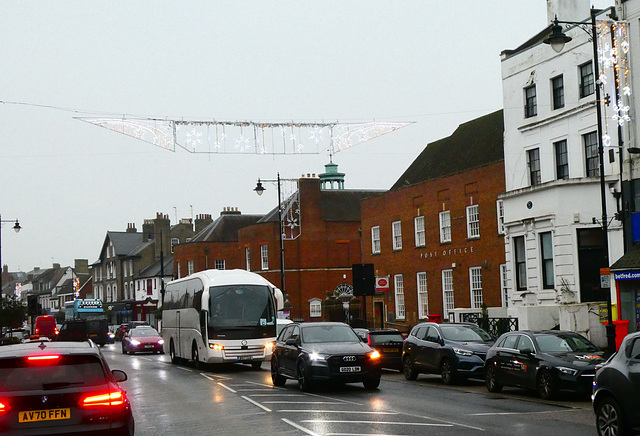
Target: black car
96, 329
548, 361
616, 389
453, 350
323, 351
61, 388
388, 342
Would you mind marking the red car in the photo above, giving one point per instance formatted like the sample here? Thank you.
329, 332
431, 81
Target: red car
142, 339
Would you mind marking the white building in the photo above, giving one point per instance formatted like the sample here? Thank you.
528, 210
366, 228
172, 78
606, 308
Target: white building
552, 205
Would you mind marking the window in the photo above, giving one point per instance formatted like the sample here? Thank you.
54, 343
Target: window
500, 209
447, 291
375, 240
587, 84
178, 269
399, 290
315, 308
590, 141
264, 257
530, 104
534, 166
174, 241
445, 226
475, 282
418, 224
423, 298
503, 284
396, 231
562, 159
473, 222
149, 287
247, 258
190, 267
219, 264
520, 263
557, 87
546, 254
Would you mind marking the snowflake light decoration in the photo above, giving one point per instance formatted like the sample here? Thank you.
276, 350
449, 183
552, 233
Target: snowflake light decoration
621, 113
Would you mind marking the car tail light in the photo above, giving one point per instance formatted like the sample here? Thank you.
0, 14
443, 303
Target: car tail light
369, 340
104, 399
4, 406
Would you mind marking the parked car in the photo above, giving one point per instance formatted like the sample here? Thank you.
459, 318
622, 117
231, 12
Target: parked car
82, 329
616, 390
323, 352
453, 350
46, 326
548, 361
389, 344
61, 388
143, 338
14, 337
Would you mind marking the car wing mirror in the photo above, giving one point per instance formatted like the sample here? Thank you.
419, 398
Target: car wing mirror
291, 342
118, 375
526, 351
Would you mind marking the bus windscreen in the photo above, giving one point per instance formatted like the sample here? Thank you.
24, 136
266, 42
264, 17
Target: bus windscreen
241, 306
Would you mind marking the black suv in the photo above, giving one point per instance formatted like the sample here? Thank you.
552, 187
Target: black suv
61, 388
616, 390
388, 342
82, 329
453, 350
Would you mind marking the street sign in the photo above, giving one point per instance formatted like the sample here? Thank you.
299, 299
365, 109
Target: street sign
605, 278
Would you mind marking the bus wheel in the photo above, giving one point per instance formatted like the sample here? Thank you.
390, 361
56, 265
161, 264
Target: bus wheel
194, 355
172, 353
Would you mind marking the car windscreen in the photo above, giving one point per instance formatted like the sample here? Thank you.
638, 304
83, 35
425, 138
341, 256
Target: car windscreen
328, 333
20, 374
380, 338
143, 332
464, 333
564, 344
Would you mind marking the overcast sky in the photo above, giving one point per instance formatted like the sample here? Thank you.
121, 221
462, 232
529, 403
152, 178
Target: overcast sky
435, 63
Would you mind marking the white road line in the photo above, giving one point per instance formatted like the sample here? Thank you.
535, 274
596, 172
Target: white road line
302, 402
521, 413
299, 427
184, 369
226, 387
277, 395
457, 424
421, 424
350, 412
266, 409
261, 384
361, 434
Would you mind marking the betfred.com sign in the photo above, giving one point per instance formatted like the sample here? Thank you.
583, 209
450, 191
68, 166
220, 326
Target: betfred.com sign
382, 283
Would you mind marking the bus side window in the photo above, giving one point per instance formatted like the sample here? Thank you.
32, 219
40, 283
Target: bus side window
203, 324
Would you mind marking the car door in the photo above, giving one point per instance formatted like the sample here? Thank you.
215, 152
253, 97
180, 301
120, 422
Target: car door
281, 349
634, 376
432, 349
504, 357
415, 346
525, 363
292, 349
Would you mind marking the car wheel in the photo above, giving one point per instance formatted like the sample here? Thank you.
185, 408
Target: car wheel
491, 379
172, 353
276, 378
195, 356
371, 384
546, 385
304, 382
409, 368
608, 418
448, 372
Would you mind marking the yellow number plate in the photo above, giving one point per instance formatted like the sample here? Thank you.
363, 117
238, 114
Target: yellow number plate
44, 415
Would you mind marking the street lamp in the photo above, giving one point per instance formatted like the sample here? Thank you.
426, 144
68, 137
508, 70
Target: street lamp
259, 190
557, 40
17, 228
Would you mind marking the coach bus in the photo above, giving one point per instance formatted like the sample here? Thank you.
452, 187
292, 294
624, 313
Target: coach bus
220, 316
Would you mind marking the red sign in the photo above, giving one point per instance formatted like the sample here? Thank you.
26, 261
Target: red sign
382, 284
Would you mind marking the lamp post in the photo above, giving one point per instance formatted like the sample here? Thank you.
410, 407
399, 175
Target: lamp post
259, 190
557, 40
17, 228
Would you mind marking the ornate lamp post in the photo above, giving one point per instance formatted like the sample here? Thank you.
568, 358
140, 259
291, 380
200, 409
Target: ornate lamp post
17, 228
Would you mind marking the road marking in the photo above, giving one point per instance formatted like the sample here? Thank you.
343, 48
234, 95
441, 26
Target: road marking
444, 421
261, 384
299, 427
184, 369
214, 377
226, 387
277, 395
266, 409
350, 412
302, 402
422, 424
521, 413
361, 434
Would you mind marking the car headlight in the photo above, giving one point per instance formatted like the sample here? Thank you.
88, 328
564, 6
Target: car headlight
316, 356
565, 370
461, 352
374, 355
161, 342
135, 342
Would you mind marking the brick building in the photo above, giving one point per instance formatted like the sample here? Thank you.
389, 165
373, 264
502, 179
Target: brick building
435, 236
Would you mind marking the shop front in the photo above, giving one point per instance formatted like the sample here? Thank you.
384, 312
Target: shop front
626, 273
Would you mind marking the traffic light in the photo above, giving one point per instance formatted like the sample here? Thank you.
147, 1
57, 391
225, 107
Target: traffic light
32, 305
364, 281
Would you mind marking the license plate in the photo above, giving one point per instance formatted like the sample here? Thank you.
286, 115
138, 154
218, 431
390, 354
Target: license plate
148, 346
44, 415
244, 358
390, 350
350, 369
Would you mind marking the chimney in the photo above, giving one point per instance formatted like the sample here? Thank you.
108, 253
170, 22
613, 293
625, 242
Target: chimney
131, 228
203, 221
56, 266
230, 211
568, 10
81, 266
162, 225
147, 230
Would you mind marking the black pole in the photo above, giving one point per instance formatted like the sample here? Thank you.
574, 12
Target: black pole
161, 272
610, 328
281, 242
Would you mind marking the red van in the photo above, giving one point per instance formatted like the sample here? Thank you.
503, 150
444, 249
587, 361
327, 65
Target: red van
46, 326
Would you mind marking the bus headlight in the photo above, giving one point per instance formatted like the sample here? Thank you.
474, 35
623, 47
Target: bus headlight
268, 345
216, 347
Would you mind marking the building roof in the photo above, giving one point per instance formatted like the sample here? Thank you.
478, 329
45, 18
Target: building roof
225, 228
630, 260
474, 144
153, 270
124, 242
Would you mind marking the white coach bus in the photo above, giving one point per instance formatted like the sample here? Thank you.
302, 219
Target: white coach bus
220, 316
